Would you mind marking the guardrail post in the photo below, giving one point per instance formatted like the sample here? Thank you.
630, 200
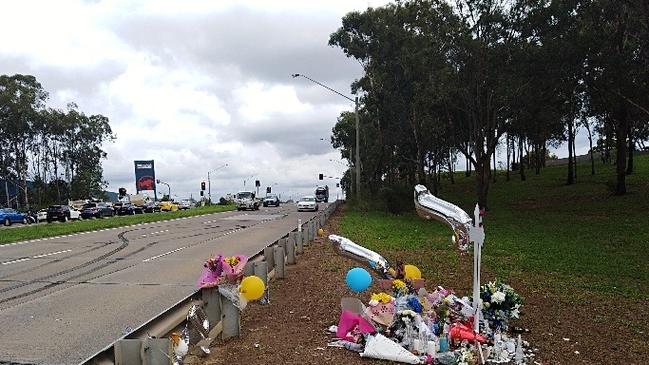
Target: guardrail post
231, 319
212, 304
290, 250
268, 256
156, 351
299, 239
282, 243
261, 271
279, 262
127, 351
305, 235
248, 269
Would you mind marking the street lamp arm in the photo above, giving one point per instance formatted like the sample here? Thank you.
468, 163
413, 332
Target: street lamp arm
325, 86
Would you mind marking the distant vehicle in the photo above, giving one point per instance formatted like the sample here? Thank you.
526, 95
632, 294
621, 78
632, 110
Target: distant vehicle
97, 210
151, 207
32, 216
168, 206
9, 216
129, 209
42, 215
246, 200
184, 204
62, 213
322, 194
271, 200
307, 203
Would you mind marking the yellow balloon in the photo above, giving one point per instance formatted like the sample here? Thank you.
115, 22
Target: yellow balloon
320, 232
252, 288
411, 272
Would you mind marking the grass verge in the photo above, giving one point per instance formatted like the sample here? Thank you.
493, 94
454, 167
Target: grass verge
56, 229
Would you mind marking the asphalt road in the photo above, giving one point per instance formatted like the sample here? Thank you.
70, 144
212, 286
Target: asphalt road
63, 299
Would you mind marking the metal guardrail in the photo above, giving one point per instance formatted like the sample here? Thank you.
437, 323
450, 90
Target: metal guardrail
153, 334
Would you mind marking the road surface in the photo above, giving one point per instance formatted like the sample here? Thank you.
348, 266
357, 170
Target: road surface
64, 299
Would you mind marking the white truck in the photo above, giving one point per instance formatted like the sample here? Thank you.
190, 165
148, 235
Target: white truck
245, 200
322, 194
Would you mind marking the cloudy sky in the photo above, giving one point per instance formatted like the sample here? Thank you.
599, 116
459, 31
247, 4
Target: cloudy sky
194, 85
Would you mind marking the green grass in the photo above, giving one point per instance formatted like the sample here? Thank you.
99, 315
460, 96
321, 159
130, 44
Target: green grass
56, 229
540, 230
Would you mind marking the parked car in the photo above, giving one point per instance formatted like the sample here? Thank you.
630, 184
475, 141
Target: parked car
97, 210
271, 200
9, 216
62, 213
129, 209
42, 215
246, 200
151, 207
184, 204
307, 203
168, 206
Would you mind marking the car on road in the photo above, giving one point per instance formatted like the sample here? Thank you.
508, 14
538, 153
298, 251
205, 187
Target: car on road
246, 200
271, 200
9, 216
62, 213
168, 206
97, 210
307, 203
184, 204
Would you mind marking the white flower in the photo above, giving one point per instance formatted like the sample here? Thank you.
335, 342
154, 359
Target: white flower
498, 297
514, 313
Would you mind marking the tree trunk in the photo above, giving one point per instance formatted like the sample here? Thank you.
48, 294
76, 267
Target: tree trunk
450, 167
590, 143
513, 150
545, 153
494, 173
508, 154
629, 166
483, 171
571, 166
621, 131
521, 164
537, 158
574, 153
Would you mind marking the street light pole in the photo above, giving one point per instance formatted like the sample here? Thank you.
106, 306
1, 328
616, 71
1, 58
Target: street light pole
358, 154
209, 183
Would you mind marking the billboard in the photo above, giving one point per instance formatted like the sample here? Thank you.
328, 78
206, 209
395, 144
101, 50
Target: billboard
145, 177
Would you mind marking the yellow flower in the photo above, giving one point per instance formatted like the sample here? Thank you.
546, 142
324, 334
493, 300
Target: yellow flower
232, 260
382, 298
398, 284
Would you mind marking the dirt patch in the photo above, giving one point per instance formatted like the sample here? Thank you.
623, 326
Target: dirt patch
292, 329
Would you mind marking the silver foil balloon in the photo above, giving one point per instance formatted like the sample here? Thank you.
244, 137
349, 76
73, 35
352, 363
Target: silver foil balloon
371, 259
430, 207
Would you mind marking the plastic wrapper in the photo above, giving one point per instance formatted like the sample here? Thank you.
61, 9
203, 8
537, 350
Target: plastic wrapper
231, 293
381, 347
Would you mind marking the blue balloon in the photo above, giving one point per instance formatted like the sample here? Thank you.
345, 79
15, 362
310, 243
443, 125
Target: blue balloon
358, 279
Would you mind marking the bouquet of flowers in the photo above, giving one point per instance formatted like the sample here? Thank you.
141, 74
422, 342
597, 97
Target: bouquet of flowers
500, 303
233, 267
218, 270
381, 309
211, 276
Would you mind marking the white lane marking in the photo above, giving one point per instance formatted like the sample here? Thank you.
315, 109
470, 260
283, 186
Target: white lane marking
50, 254
15, 261
164, 254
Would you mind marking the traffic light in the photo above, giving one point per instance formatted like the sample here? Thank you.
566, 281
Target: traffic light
201, 192
202, 185
337, 185
321, 177
268, 190
257, 183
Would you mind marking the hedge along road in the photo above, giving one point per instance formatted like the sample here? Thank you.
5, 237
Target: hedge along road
66, 298
44, 230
